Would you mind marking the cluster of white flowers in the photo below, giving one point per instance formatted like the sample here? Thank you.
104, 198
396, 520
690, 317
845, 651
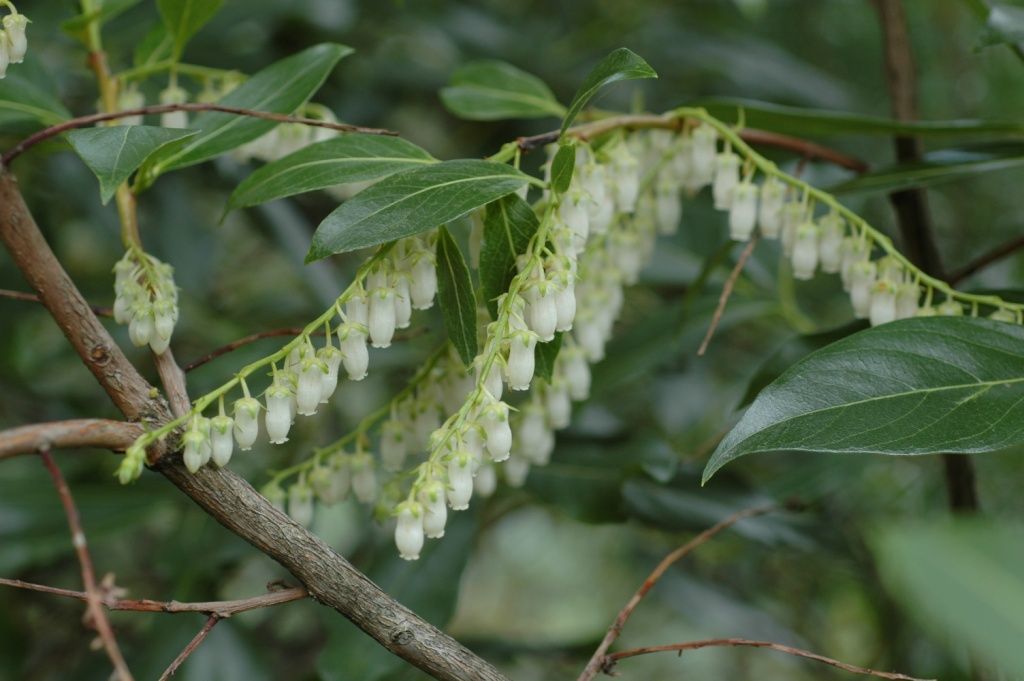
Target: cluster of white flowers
146, 299
130, 97
288, 138
13, 42
881, 289
308, 376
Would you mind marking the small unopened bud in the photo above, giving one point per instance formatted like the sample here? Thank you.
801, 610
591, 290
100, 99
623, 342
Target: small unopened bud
862, 276
805, 251
949, 308
743, 213
907, 297
769, 217
727, 176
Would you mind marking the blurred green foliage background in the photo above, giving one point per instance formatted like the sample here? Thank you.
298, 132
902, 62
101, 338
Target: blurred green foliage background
531, 578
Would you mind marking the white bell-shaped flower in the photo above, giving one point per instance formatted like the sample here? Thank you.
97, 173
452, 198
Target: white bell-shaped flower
565, 305
331, 483
409, 530
354, 354
727, 176
364, 477
702, 170
17, 43
520, 363
300, 503
393, 446
174, 94
424, 282
794, 214
883, 303
574, 215
222, 441
164, 316
854, 250
577, 373
5, 55
486, 480
246, 426
516, 469
460, 480
743, 212
668, 209
310, 386
331, 358
532, 432
890, 269
131, 98
140, 328
196, 451
435, 509
805, 251
357, 309
1003, 315
907, 297
602, 215
382, 317
403, 302
949, 308
862, 277
590, 338
427, 419
497, 431
558, 404
278, 418
830, 243
625, 179
769, 215
542, 311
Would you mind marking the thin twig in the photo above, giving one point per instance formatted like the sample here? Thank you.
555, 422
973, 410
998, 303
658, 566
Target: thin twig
996, 254
92, 119
596, 660
241, 342
211, 621
723, 299
173, 380
222, 609
100, 433
33, 298
761, 137
95, 604
612, 659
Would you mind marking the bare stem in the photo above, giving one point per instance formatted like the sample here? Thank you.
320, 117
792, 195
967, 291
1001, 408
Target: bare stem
86, 121
93, 599
597, 659
33, 298
99, 433
211, 622
612, 659
723, 299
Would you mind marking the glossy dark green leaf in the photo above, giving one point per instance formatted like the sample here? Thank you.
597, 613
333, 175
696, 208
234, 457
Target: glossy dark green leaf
280, 88
411, 202
455, 295
509, 224
918, 386
114, 153
936, 167
76, 26
493, 90
544, 356
962, 580
340, 160
1004, 26
562, 167
803, 121
184, 17
622, 64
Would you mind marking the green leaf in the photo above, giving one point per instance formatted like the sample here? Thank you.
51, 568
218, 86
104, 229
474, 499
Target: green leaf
184, 17
804, 122
23, 99
544, 356
347, 158
154, 47
411, 202
963, 579
1004, 26
114, 153
280, 88
562, 167
918, 386
455, 295
77, 26
622, 64
936, 167
509, 224
493, 90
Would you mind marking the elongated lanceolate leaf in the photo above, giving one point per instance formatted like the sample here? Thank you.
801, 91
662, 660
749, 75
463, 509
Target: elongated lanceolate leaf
622, 64
411, 202
562, 167
918, 386
544, 356
347, 158
493, 90
280, 88
509, 224
24, 100
455, 295
114, 153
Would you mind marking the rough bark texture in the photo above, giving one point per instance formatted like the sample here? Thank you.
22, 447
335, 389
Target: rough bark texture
98, 433
327, 576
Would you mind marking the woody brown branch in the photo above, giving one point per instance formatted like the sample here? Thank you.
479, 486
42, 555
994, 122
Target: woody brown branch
71, 434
